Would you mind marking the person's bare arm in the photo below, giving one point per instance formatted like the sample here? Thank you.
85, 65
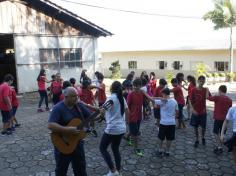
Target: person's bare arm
224, 126
57, 128
7, 101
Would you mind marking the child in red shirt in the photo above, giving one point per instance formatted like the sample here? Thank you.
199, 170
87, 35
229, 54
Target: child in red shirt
198, 105
179, 97
192, 84
42, 80
222, 105
86, 96
152, 82
157, 93
100, 94
135, 102
56, 89
15, 104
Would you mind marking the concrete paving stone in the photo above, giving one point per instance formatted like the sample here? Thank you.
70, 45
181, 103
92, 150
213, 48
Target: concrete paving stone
139, 173
227, 170
4, 164
16, 164
21, 170
7, 172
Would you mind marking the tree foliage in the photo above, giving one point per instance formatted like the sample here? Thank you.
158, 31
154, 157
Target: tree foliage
224, 14
115, 70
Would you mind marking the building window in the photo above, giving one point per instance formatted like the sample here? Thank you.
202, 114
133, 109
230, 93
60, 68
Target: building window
132, 64
221, 66
177, 65
162, 65
60, 58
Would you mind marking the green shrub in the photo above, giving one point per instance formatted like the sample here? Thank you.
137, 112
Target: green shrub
169, 76
221, 74
230, 76
201, 69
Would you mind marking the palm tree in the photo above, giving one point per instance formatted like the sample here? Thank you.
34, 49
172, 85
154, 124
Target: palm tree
224, 16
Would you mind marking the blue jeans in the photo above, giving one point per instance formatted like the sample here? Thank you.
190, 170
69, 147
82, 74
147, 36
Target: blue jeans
43, 95
114, 140
77, 158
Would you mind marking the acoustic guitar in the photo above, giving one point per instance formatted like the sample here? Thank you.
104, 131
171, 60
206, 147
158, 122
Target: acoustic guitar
66, 143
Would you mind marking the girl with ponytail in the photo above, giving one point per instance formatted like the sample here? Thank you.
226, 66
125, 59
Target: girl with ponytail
115, 128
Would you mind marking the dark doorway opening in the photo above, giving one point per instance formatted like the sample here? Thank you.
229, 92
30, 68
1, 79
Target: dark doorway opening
7, 57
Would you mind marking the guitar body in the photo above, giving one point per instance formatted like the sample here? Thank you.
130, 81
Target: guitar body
66, 144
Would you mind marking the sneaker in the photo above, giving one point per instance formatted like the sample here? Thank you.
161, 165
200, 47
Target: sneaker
94, 132
47, 109
167, 154
126, 137
218, 150
159, 154
12, 128
138, 152
8, 132
17, 125
40, 110
112, 173
130, 142
3, 133
196, 144
203, 141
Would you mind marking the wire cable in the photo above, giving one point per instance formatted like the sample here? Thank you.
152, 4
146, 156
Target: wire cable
134, 12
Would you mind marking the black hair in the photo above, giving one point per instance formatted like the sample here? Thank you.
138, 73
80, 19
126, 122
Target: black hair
144, 82
223, 88
116, 88
162, 82
201, 77
8, 77
100, 76
152, 74
174, 81
191, 79
179, 76
53, 76
41, 73
137, 82
72, 81
86, 83
130, 77
66, 84
166, 91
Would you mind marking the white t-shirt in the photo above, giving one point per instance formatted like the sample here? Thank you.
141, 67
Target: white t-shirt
231, 115
114, 120
168, 111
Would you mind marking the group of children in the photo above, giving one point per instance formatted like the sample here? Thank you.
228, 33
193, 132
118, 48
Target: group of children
141, 94
8, 105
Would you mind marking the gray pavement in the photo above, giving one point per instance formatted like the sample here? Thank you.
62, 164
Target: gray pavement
29, 150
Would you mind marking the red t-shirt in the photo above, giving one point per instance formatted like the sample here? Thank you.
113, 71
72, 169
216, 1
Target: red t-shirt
56, 87
198, 100
14, 102
41, 83
152, 84
190, 87
178, 95
86, 96
100, 94
222, 105
135, 103
158, 94
5, 91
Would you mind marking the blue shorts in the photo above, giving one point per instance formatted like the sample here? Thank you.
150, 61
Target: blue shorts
14, 109
180, 107
134, 128
6, 116
199, 120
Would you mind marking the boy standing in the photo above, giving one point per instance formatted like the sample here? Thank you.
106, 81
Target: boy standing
198, 105
222, 105
169, 111
135, 102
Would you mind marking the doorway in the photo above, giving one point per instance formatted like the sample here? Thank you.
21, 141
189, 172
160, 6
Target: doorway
7, 57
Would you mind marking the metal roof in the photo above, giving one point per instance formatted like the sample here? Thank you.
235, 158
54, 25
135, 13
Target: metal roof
51, 9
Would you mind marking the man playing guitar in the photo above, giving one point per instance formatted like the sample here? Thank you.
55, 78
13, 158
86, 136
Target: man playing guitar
61, 115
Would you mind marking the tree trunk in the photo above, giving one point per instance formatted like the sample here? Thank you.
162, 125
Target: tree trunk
231, 50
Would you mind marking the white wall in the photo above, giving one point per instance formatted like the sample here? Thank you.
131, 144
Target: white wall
27, 57
148, 60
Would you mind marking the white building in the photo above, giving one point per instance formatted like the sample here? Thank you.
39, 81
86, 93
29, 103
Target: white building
175, 58
37, 34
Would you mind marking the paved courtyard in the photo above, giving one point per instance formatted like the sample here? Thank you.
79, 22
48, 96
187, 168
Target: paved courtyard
29, 150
